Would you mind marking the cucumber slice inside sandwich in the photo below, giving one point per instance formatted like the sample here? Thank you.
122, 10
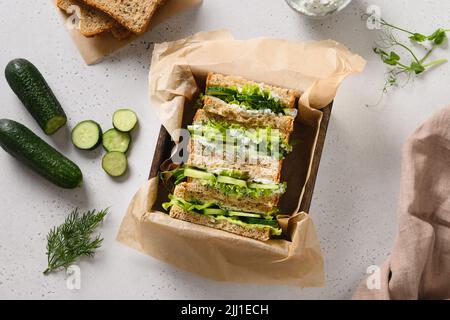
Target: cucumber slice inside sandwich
220, 91
213, 212
230, 180
198, 174
115, 163
114, 140
125, 120
87, 135
266, 222
243, 214
268, 186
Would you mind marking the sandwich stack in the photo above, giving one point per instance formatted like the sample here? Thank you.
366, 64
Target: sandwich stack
121, 18
232, 178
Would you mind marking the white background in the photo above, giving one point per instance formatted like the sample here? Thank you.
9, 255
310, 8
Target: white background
354, 207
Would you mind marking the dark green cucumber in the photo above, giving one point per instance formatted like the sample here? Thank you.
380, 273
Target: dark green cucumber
23, 144
30, 86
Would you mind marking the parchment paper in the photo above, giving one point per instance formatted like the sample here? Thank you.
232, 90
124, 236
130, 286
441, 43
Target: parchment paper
94, 49
314, 68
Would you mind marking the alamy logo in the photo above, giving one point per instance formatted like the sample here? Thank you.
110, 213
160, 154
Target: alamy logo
245, 145
373, 281
74, 19
73, 281
373, 15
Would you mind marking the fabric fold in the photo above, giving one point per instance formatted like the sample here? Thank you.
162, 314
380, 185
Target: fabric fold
419, 264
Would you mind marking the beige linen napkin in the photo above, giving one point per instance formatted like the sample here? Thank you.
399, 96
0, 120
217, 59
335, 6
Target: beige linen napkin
419, 265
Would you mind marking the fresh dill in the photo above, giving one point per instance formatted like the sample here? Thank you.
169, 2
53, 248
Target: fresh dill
73, 239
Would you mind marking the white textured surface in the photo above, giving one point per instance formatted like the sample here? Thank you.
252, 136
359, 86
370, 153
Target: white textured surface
354, 206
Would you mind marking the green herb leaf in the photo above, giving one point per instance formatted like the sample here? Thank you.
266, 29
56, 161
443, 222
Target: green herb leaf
392, 59
251, 97
417, 68
418, 37
73, 239
438, 37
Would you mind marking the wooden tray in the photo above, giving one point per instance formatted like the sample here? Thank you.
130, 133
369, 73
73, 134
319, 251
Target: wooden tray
165, 145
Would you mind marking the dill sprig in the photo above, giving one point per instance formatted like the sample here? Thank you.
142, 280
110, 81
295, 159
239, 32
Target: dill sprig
73, 239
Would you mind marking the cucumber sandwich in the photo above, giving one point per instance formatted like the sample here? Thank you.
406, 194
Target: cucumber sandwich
232, 178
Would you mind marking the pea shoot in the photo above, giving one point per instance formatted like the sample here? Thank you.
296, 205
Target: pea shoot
407, 62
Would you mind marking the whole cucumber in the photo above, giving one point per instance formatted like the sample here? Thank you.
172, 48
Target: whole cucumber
23, 144
30, 86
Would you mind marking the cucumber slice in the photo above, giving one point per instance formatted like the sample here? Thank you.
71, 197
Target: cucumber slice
266, 222
213, 212
198, 174
269, 186
243, 214
115, 163
230, 180
87, 135
125, 120
114, 140
220, 91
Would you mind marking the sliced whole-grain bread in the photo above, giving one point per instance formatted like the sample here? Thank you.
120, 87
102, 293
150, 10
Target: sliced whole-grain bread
182, 191
92, 21
205, 193
264, 167
135, 15
250, 119
120, 32
262, 234
217, 109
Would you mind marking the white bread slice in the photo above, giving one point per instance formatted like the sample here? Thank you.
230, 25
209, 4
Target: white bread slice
286, 96
177, 212
135, 15
247, 204
220, 108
